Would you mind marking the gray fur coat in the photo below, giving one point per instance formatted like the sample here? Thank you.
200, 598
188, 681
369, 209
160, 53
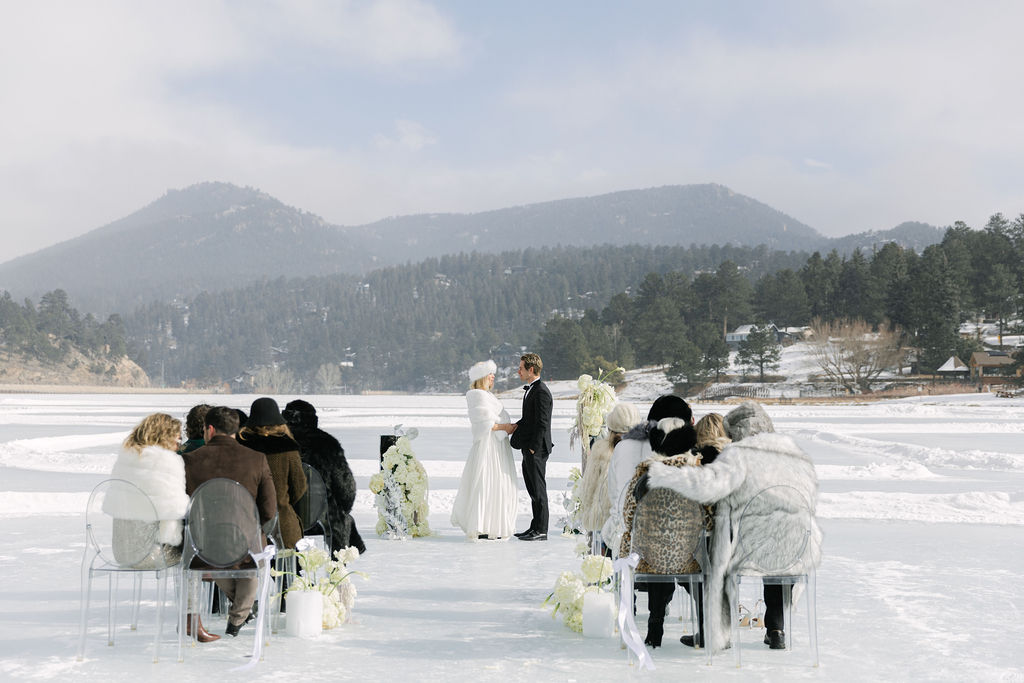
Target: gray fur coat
743, 469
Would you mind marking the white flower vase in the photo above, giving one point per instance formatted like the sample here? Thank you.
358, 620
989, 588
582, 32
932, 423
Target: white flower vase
305, 613
598, 614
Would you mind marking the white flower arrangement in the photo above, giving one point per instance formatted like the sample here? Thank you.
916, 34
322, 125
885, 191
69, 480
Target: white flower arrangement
571, 501
318, 572
595, 400
401, 489
595, 575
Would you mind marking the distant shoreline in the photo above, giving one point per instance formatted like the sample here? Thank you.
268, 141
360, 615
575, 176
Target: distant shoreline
84, 389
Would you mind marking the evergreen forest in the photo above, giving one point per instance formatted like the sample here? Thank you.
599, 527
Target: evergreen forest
419, 326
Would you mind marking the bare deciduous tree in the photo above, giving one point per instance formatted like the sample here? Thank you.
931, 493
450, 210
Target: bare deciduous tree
274, 380
851, 353
327, 378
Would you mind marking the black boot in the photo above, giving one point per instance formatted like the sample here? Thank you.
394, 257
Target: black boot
775, 640
655, 630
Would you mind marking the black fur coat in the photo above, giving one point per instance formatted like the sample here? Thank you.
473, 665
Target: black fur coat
324, 453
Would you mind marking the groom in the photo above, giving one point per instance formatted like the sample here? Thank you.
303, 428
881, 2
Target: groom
532, 436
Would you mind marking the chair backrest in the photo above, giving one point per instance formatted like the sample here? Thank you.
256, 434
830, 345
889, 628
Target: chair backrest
223, 523
774, 531
667, 530
312, 507
121, 524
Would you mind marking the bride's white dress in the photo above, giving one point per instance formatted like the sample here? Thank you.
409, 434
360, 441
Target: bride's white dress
486, 501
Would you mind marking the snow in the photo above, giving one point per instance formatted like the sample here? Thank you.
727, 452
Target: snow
922, 504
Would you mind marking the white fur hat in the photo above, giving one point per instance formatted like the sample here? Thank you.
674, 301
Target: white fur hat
482, 369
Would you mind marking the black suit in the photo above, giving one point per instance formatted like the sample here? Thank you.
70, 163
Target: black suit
533, 437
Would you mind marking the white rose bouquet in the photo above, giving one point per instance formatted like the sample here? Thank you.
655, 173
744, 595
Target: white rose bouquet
595, 400
570, 587
330, 577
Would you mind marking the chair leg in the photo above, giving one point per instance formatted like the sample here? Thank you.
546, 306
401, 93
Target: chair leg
136, 599
734, 607
111, 604
161, 577
812, 616
86, 595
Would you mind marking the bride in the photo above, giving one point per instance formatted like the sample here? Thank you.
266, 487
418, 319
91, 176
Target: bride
485, 506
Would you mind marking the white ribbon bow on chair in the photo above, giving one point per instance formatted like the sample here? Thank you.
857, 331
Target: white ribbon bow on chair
257, 648
627, 623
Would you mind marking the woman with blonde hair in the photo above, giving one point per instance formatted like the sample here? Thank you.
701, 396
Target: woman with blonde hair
266, 431
149, 461
711, 437
485, 505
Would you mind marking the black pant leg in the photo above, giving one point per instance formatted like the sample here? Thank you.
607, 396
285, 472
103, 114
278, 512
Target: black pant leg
658, 596
534, 471
774, 619
699, 599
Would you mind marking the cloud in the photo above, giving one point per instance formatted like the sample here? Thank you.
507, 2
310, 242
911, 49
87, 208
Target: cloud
410, 136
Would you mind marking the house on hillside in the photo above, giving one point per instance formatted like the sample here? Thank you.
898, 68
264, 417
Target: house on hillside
741, 333
791, 335
954, 367
991, 363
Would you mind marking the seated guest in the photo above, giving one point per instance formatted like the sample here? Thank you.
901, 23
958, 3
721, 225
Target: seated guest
667, 530
223, 456
756, 460
711, 437
147, 459
594, 486
266, 432
194, 427
633, 449
324, 453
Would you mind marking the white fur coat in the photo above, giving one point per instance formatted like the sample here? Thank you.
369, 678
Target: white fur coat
741, 471
627, 455
160, 474
485, 411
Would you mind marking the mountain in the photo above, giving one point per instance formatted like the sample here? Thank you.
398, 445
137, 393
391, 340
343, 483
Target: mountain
212, 236
910, 235
209, 236
670, 215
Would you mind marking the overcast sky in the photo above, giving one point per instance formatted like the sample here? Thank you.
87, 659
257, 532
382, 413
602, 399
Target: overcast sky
847, 115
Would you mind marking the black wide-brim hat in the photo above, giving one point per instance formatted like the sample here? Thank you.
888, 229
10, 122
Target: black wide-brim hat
264, 413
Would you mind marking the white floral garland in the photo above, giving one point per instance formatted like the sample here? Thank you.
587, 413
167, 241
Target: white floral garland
401, 490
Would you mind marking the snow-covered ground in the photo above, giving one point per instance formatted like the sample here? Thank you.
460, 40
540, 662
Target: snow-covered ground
922, 503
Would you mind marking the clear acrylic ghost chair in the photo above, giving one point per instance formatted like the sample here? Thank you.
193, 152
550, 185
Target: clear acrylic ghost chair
223, 539
121, 537
786, 511
312, 507
649, 530
284, 561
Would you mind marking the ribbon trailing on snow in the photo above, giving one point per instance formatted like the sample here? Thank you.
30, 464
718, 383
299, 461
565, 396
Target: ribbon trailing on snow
257, 646
627, 623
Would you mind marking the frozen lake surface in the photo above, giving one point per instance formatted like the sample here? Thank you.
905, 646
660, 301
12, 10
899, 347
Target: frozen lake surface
922, 503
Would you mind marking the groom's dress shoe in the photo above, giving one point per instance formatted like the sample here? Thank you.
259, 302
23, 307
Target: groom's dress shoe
520, 534
534, 536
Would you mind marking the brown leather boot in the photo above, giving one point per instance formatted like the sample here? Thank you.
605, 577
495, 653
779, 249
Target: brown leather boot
202, 635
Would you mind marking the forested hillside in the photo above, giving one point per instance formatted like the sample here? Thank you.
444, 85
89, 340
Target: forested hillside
52, 343
418, 327
406, 327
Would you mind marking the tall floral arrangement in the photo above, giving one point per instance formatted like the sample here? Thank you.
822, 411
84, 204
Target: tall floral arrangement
330, 577
595, 400
401, 490
572, 501
595, 575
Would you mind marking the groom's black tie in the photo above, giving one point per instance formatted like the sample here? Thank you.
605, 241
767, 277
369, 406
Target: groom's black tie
526, 387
